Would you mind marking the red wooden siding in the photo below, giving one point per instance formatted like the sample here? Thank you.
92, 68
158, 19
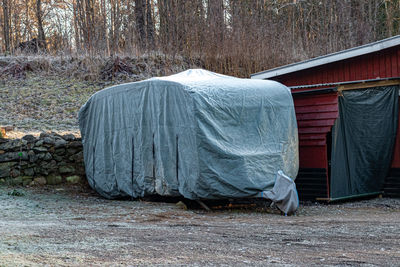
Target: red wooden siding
382, 64
316, 115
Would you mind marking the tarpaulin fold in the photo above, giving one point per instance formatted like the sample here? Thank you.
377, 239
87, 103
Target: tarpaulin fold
197, 134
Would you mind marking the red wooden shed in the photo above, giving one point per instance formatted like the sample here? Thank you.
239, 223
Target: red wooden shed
318, 86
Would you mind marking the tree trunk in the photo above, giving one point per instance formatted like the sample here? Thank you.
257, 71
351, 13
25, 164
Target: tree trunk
140, 6
39, 17
149, 25
215, 17
6, 25
76, 28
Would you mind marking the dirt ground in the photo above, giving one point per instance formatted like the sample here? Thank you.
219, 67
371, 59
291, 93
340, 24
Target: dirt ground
60, 226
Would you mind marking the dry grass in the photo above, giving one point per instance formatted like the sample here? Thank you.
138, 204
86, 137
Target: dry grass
44, 93
121, 67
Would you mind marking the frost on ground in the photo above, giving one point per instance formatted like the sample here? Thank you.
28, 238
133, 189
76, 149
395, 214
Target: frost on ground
75, 227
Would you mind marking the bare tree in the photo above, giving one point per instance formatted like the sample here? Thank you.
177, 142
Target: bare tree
6, 25
231, 36
140, 7
149, 25
39, 17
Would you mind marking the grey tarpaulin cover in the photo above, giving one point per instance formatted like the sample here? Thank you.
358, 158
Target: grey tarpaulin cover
363, 140
197, 134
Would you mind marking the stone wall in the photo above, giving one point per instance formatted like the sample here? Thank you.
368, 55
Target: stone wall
49, 159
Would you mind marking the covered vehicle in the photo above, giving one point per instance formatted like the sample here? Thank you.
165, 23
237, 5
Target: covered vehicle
195, 134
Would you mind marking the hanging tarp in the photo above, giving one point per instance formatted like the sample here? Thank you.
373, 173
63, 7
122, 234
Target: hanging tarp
197, 134
363, 139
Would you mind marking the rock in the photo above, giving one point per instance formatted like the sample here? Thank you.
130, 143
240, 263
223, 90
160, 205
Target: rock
49, 140
16, 181
4, 172
73, 179
52, 165
29, 172
40, 155
43, 135
39, 170
5, 168
2, 152
69, 137
78, 157
181, 205
47, 156
71, 151
39, 143
40, 180
23, 155
15, 173
60, 143
29, 138
29, 146
40, 149
53, 179
9, 156
75, 144
66, 169
57, 157
11, 145
26, 181
2, 181
60, 151
32, 156
56, 135
23, 163
80, 170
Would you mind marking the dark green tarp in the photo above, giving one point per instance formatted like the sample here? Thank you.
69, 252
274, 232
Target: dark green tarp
363, 139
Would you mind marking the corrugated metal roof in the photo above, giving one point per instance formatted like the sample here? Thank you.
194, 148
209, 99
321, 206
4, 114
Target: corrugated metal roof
305, 86
326, 59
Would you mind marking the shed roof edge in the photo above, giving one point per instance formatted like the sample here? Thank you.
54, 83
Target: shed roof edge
329, 58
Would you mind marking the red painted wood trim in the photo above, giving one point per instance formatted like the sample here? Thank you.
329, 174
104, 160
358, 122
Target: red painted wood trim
314, 129
314, 109
314, 136
321, 100
316, 116
313, 143
315, 123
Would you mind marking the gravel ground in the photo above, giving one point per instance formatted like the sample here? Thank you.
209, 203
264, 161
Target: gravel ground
59, 226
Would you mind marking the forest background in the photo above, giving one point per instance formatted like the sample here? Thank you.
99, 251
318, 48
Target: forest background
236, 37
